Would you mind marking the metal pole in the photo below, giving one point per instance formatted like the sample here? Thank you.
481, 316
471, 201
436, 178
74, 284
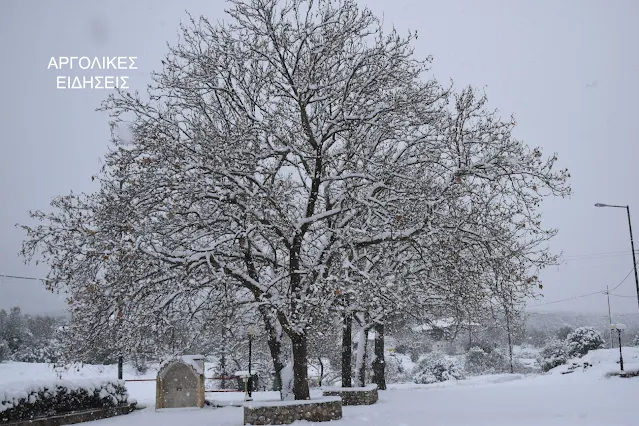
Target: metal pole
609, 318
510, 345
223, 369
250, 385
620, 354
632, 245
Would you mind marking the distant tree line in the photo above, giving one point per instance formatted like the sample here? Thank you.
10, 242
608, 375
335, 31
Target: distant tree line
29, 338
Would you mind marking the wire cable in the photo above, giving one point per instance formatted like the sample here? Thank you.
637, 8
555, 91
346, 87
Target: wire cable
626, 277
619, 295
18, 277
590, 294
565, 300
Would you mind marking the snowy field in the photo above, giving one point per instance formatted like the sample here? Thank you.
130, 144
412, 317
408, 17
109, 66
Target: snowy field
582, 397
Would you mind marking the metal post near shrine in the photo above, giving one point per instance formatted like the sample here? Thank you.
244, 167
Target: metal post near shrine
619, 328
251, 335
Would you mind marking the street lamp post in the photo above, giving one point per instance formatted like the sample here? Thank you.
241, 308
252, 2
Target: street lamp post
120, 367
251, 334
619, 328
620, 354
120, 357
632, 244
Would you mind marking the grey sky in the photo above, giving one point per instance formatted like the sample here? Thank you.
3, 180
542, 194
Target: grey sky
568, 70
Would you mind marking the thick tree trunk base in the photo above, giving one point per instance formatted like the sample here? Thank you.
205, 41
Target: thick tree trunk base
300, 367
275, 347
347, 351
379, 364
361, 376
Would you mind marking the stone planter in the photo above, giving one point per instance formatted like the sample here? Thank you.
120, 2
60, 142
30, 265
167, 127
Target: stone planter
285, 412
366, 395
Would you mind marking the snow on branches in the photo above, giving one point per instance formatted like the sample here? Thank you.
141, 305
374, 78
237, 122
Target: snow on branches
288, 160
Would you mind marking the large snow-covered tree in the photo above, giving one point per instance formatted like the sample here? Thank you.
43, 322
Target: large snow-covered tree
279, 153
484, 243
277, 133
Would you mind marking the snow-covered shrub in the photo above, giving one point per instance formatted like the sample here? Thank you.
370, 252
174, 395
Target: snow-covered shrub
635, 341
553, 355
44, 352
526, 351
413, 346
582, 340
140, 363
396, 370
435, 368
577, 344
481, 344
475, 360
564, 332
478, 361
25, 400
4, 350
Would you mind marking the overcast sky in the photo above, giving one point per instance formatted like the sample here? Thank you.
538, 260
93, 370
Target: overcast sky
568, 70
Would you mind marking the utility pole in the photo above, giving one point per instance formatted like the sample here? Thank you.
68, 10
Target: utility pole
634, 261
609, 318
632, 243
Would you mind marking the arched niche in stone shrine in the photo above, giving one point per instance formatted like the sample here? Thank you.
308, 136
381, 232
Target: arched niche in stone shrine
180, 383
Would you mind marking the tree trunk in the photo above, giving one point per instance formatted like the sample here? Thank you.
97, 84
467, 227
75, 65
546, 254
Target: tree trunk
361, 356
510, 344
321, 375
275, 347
274, 341
379, 362
300, 366
223, 369
299, 340
347, 351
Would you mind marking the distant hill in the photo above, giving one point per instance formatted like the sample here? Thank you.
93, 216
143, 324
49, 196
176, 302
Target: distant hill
553, 321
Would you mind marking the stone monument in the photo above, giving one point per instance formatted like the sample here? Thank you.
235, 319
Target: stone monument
180, 383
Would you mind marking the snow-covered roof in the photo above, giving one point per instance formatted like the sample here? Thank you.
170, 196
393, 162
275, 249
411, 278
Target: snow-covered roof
194, 361
441, 323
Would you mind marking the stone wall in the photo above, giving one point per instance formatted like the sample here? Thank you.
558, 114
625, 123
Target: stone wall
75, 417
366, 395
286, 412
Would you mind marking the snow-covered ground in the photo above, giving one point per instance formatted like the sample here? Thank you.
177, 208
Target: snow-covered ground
582, 397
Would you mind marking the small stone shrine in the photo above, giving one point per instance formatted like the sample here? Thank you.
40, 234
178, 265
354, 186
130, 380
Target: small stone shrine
180, 383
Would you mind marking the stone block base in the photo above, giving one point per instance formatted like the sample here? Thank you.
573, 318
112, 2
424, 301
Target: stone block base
366, 395
286, 412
